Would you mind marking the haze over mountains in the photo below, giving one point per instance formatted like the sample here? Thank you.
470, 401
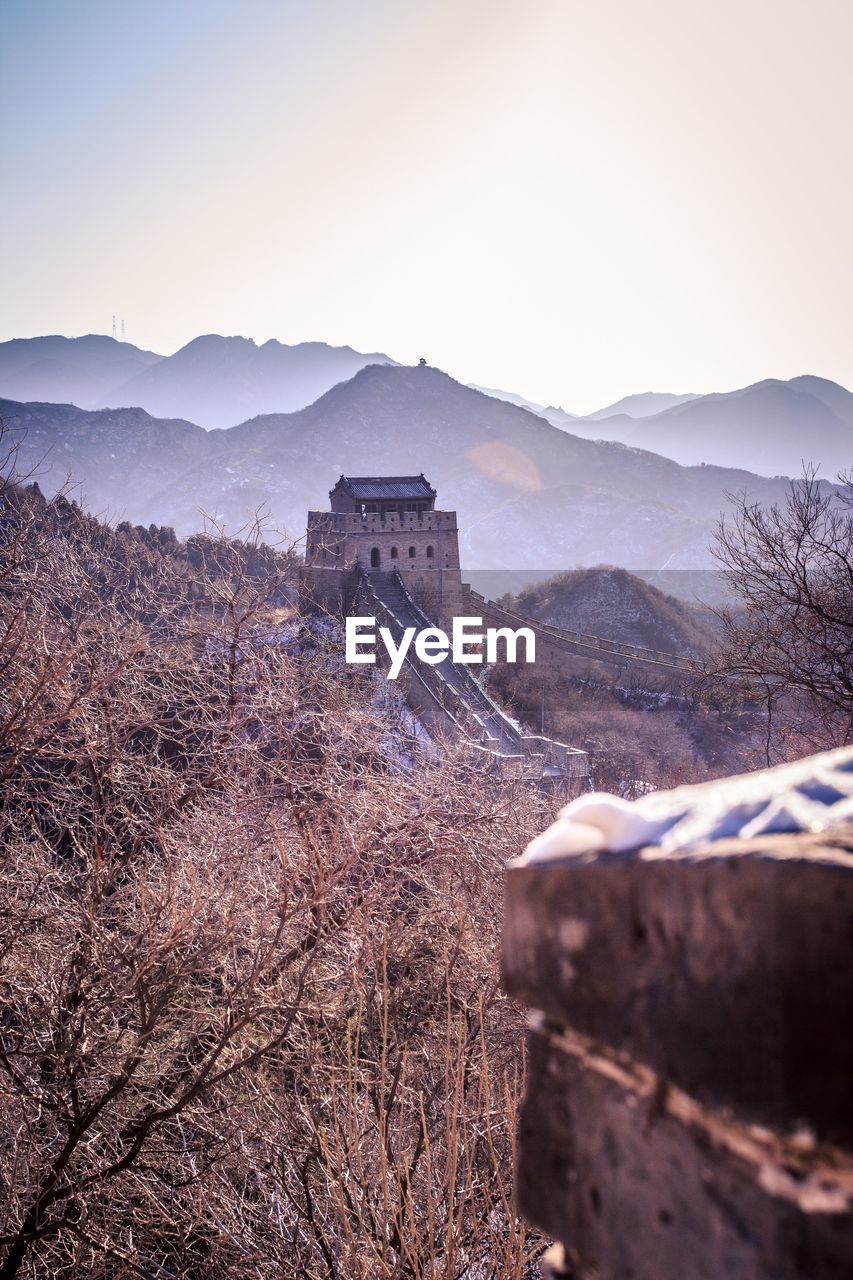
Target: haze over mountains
771, 428
644, 405
213, 381
536, 489
81, 371
528, 494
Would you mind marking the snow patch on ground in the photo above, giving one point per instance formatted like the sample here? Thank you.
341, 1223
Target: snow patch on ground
391, 726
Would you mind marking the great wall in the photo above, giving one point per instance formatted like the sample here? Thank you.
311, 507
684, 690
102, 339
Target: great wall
687, 1111
384, 550
453, 703
559, 644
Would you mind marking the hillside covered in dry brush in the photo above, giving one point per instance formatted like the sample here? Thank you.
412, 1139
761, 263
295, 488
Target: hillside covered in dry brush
251, 1023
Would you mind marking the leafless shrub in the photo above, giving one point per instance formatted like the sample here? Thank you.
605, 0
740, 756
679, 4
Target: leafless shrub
789, 644
637, 738
250, 1022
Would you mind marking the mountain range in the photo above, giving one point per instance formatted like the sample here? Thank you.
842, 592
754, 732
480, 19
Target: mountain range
644, 405
214, 381
771, 427
529, 495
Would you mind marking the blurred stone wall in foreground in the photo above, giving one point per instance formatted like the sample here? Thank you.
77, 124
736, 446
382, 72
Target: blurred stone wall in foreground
689, 1109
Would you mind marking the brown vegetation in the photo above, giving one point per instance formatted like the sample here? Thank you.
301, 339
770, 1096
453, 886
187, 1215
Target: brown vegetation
778, 679
789, 645
250, 1018
641, 734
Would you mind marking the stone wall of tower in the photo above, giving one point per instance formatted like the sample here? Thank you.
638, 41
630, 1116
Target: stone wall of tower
426, 546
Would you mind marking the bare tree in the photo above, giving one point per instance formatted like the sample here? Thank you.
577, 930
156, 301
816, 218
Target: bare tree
145, 961
788, 641
249, 1020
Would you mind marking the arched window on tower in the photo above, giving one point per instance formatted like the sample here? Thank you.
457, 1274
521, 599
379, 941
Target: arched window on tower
374, 557
411, 553
429, 553
393, 553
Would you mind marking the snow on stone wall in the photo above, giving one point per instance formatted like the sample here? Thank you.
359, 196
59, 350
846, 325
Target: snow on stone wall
811, 795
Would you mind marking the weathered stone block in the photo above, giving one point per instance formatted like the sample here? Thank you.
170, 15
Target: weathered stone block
641, 1182
728, 969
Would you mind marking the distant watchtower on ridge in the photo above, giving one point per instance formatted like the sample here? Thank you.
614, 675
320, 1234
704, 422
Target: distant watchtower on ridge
384, 524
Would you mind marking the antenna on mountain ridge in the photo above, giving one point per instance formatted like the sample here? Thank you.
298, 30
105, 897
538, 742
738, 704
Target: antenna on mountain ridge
114, 326
122, 328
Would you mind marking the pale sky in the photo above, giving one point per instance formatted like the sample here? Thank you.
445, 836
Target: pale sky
570, 199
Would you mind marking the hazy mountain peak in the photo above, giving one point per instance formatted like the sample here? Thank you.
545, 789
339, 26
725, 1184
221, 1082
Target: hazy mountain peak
642, 404
832, 394
521, 401
812, 382
215, 379
68, 370
215, 345
771, 427
413, 386
59, 344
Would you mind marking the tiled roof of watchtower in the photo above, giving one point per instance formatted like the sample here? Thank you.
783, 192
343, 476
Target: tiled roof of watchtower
369, 488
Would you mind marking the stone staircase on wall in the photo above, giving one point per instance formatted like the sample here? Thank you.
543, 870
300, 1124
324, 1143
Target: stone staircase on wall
450, 698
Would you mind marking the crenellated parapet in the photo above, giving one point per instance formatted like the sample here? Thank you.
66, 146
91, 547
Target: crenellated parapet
387, 524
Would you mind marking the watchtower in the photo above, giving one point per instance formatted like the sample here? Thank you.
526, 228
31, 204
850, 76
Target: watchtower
382, 524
